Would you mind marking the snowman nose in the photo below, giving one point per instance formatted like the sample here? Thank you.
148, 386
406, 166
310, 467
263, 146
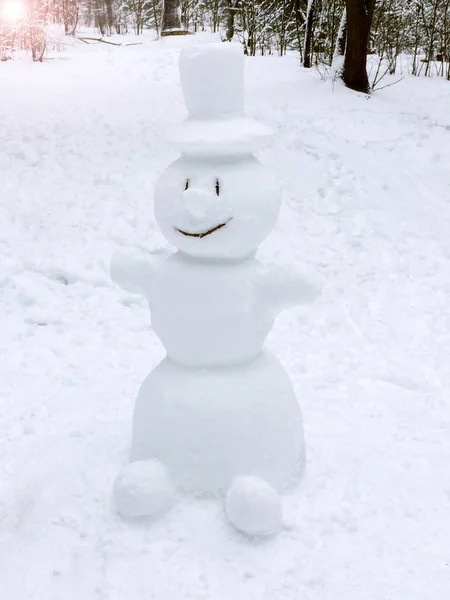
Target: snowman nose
198, 203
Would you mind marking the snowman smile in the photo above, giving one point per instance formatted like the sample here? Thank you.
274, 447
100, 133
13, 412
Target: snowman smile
203, 234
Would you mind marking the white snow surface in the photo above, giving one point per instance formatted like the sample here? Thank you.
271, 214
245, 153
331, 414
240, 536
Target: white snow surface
365, 202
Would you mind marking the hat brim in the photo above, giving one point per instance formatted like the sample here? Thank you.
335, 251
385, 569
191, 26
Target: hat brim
227, 136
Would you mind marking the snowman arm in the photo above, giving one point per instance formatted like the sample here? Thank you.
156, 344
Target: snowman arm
289, 287
135, 275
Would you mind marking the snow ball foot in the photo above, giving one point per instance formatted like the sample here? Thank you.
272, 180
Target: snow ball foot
143, 489
254, 507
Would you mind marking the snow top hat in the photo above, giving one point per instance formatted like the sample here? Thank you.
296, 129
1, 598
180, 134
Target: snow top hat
212, 80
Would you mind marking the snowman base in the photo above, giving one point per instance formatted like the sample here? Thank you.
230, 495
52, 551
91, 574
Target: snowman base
253, 507
208, 426
143, 489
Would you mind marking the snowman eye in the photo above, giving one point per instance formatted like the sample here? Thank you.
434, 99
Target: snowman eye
186, 186
217, 188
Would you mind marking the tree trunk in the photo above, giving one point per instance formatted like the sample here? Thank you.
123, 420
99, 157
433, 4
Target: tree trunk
171, 24
342, 36
109, 16
230, 16
359, 19
155, 17
70, 16
298, 24
337, 63
308, 34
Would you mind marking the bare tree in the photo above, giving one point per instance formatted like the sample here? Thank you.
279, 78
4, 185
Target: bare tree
171, 22
69, 9
359, 19
336, 33
309, 33
341, 36
339, 48
231, 7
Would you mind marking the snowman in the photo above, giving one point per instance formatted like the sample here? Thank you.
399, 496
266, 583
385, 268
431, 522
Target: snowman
218, 417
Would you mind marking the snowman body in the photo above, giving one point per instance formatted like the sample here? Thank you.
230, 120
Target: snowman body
210, 315
219, 406
210, 425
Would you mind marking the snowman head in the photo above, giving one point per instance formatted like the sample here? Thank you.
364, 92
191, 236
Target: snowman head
217, 200
216, 208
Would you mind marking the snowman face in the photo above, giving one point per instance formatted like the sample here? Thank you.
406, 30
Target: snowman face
216, 208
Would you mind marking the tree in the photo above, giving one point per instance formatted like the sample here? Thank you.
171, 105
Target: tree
171, 23
231, 7
309, 33
69, 9
339, 49
37, 23
359, 19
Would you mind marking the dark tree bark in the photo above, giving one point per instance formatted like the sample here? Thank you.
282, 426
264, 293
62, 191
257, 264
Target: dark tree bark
359, 20
231, 8
171, 24
299, 24
109, 16
70, 16
309, 34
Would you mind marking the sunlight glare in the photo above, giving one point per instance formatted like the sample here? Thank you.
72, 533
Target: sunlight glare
12, 10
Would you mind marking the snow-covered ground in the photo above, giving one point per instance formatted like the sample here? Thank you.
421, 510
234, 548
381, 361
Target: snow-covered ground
366, 203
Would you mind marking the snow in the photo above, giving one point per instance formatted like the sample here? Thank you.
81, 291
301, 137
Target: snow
246, 207
339, 56
208, 314
219, 405
212, 80
365, 202
219, 137
210, 425
133, 271
143, 488
254, 507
